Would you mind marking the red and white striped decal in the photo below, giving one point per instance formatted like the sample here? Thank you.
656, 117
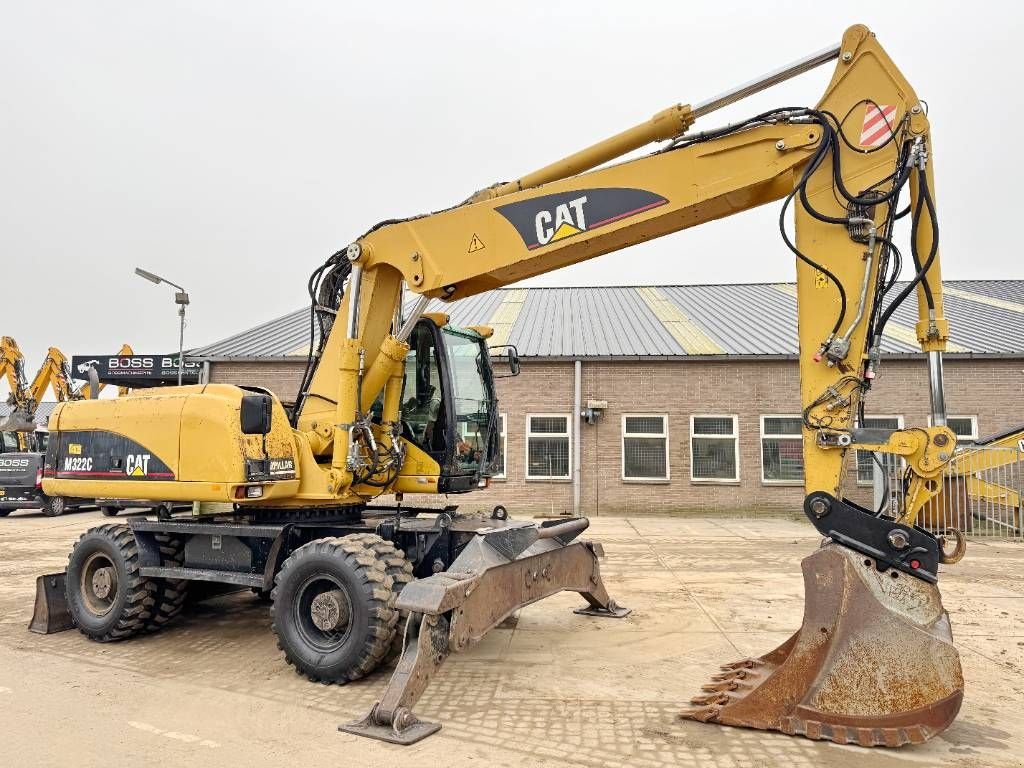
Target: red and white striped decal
879, 123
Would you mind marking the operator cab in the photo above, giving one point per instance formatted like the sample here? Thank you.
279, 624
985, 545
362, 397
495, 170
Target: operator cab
448, 406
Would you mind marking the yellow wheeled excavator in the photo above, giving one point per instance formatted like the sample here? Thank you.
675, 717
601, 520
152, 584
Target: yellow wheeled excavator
391, 397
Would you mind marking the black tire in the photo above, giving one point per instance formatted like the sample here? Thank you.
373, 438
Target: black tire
54, 506
109, 511
400, 571
5, 512
352, 579
170, 594
128, 602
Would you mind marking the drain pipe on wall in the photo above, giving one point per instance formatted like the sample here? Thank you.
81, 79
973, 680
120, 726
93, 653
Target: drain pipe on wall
576, 435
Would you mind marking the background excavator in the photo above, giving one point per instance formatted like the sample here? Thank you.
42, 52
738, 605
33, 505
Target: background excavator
981, 486
21, 474
18, 425
392, 397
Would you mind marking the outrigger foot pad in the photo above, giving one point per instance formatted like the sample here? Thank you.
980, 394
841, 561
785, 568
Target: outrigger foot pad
51, 614
405, 727
612, 611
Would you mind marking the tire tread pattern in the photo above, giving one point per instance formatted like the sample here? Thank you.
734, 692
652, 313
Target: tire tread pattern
170, 594
139, 603
384, 570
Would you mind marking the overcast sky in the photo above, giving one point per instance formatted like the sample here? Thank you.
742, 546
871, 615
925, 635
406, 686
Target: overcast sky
233, 146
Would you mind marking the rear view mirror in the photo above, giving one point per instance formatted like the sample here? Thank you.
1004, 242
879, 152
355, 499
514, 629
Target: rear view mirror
510, 356
513, 360
256, 414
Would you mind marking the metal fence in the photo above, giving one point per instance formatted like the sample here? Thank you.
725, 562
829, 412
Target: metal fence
981, 496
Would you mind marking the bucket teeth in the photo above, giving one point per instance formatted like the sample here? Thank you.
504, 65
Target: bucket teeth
873, 663
747, 663
720, 687
705, 700
702, 714
735, 674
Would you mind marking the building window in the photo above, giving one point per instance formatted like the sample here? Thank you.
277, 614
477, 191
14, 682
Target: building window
499, 460
547, 447
782, 449
714, 449
644, 447
890, 462
964, 427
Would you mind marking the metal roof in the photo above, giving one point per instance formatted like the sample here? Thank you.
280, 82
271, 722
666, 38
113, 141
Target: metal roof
669, 321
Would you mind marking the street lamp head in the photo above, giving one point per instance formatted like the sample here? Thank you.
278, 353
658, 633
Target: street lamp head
148, 275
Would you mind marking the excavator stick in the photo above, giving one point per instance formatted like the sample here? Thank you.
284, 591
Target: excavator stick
498, 572
873, 663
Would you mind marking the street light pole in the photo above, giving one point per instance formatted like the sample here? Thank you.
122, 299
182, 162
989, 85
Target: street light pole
181, 332
181, 299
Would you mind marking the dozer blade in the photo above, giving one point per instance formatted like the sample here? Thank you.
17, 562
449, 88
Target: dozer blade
498, 572
873, 663
51, 613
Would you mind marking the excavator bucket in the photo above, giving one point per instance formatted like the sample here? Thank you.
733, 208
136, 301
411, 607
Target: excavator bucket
873, 663
17, 421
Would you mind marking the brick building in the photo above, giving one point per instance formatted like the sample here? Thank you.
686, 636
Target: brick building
700, 385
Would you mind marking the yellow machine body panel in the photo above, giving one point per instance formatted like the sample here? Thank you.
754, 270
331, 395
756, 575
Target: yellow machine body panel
178, 444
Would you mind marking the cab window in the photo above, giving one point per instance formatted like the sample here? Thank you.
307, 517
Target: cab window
422, 408
8, 442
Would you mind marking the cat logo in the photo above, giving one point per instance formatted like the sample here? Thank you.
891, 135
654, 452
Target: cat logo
568, 219
549, 219
137, 465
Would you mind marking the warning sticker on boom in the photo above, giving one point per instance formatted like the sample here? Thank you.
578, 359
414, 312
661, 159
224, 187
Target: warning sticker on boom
476, 244
879, 124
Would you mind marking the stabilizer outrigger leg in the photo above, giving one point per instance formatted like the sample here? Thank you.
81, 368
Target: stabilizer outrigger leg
497, 573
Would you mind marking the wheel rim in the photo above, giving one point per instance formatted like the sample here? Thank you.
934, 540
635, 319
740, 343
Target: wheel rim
322, 612
98, 584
